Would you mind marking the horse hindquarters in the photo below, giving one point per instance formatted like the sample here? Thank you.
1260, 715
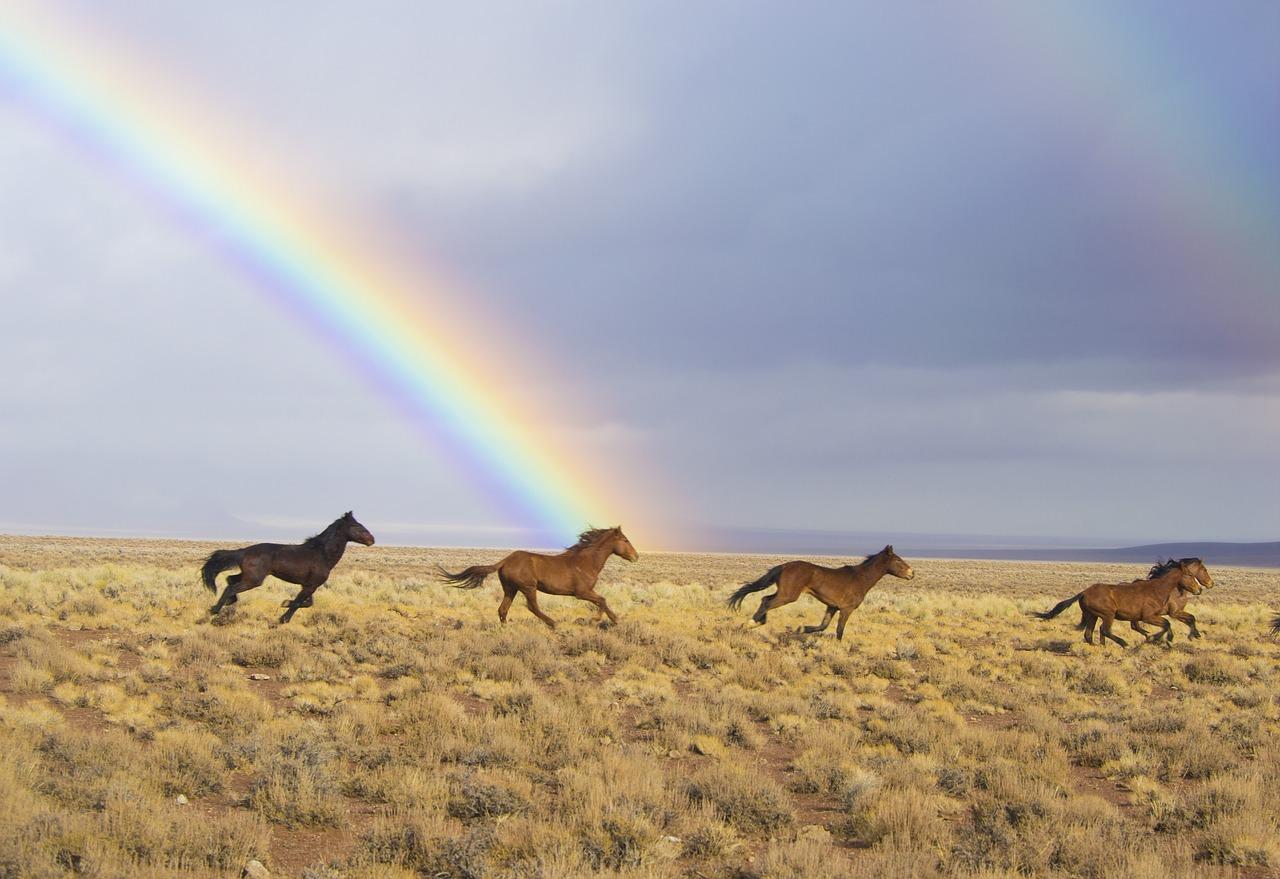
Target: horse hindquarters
786, 592
255, 566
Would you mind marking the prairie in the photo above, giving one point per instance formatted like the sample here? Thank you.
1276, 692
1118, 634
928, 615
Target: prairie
396, 730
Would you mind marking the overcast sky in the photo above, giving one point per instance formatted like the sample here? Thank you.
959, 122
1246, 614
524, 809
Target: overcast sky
939, 268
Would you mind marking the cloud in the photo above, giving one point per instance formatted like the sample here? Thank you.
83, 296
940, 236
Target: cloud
865, 267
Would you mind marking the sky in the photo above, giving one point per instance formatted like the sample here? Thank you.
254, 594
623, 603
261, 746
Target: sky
926, 269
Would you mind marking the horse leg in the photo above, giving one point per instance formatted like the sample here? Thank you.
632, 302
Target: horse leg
1106, 633
762, 612
508, 596
303, 599
531, 599
236, 584
602, 606
233, 583
844, 618
228, 597
1183, 616
1088, 622
1165, 631
769, 602
826, 621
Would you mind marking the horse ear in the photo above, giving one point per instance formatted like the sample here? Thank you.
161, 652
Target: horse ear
889, 548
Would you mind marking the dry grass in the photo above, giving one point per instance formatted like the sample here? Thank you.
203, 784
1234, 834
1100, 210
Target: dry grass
403, 733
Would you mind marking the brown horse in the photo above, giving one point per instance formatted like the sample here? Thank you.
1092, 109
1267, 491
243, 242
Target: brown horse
1178, 600
572, 572
306, 564
840, 589
1141, 601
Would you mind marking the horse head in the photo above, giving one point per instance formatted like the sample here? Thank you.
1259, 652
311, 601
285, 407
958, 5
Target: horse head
353, 530
897, 565
1200, 572
621, 546
1187, 580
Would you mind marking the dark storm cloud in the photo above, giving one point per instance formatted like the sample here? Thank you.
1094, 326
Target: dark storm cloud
849, 266
810, 188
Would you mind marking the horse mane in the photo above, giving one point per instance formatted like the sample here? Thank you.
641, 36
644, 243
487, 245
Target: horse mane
1159, 569
319, 540
592, 536
866, 558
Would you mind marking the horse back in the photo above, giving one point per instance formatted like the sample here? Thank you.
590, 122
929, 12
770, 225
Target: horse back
828, 584
523, 566
1123, 600
801, 573
262, 549
293, 563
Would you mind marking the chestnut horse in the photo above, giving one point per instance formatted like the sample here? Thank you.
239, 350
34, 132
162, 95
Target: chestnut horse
1141, 601
306, 564
572, 572
1178, 600
840, 589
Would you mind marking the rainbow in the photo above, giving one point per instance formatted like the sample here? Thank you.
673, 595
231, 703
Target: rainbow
355, 297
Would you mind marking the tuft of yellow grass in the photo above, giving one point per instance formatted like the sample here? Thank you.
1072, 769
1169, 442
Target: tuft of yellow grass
401, 731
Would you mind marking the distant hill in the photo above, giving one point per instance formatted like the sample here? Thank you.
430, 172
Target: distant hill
961, 546
1245, 555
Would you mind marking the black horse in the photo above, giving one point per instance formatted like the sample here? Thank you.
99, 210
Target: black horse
307, 564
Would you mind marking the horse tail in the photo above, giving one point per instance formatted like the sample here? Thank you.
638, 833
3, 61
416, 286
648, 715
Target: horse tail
468, 578
1275, 625
217, 562
1057, 608
769, 579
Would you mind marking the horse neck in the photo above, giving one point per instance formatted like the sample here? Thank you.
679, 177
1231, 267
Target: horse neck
332, 547
1168, 583
596, 556
879, 566
871, 571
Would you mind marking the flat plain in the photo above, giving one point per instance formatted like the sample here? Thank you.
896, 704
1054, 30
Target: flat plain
396, 730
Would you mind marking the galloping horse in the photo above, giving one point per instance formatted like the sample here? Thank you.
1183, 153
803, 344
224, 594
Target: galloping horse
307, 564
840, 589
572, 572
1141, 601
1178, 600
